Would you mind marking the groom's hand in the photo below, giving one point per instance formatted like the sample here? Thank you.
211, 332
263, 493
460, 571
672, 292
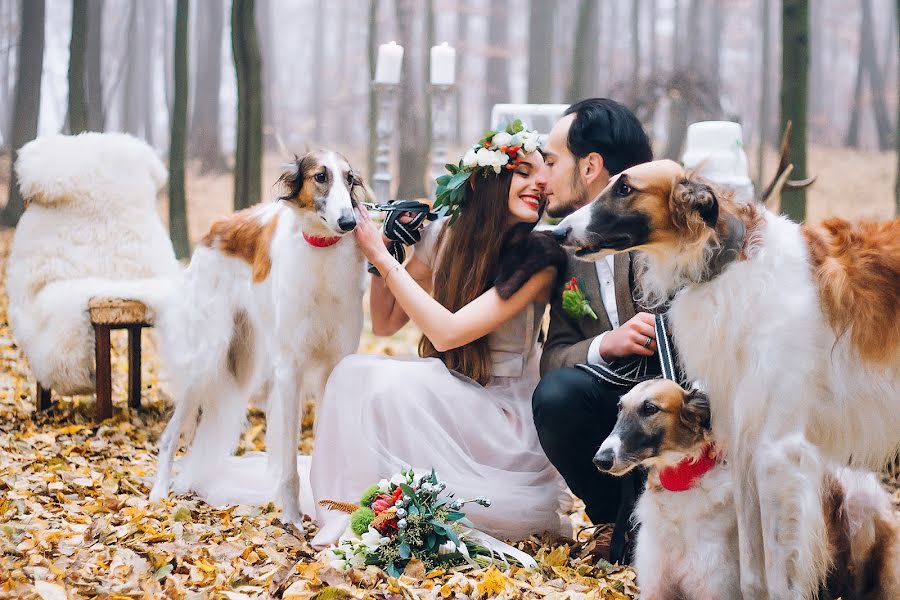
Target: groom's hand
630, 338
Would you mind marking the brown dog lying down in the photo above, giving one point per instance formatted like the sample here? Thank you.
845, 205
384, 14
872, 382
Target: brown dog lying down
687, 546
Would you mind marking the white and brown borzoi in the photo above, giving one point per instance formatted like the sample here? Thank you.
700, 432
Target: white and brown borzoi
795, 333
687, 545
272, 300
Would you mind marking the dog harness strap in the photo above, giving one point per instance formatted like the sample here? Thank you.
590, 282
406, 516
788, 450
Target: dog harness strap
321, 242
664, 346
685, 474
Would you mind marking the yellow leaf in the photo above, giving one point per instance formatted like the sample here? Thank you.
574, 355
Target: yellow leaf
435, 573
556, 557
492, 583
205, 566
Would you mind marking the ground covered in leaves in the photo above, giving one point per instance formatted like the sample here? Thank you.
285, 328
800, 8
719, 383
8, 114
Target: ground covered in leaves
75, 521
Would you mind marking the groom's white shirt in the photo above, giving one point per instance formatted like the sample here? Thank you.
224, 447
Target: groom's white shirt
605, 275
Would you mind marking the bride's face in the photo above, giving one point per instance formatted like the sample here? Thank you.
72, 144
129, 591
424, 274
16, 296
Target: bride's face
526, 192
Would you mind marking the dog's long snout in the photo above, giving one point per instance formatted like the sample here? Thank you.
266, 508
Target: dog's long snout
347, 221
603, 460
561, 233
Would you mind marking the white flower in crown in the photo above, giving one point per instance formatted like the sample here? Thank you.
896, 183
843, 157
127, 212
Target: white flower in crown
502, 139
500, 159
470, 159
484, 157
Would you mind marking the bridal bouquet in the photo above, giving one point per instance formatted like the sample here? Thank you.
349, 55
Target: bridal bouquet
410, 516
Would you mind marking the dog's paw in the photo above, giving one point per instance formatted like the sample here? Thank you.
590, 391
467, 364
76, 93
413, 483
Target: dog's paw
159, 491
295, 518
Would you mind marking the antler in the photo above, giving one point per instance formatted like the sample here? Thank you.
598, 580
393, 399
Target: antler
772, 193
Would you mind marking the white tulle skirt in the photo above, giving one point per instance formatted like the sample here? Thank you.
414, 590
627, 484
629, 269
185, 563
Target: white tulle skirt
382, 413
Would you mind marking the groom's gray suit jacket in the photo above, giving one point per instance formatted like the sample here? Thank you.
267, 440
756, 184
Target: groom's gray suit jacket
569, 338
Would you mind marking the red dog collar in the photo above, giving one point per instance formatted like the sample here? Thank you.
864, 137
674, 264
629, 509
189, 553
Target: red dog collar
321, 242
682, 476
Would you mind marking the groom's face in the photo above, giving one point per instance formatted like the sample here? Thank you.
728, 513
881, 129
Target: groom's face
566, 191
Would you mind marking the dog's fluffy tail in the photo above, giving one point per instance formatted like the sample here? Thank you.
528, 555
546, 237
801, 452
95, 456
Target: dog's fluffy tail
196, 325
873, 533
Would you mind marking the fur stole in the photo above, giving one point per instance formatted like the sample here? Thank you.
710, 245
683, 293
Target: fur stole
524, 257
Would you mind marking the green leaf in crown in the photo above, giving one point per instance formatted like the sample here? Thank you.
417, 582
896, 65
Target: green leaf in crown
496, 151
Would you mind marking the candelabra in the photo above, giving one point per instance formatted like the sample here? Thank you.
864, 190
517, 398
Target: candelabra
441, 126
386, 97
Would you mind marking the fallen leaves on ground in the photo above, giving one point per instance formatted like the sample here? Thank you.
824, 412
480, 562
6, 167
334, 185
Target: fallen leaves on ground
75, 521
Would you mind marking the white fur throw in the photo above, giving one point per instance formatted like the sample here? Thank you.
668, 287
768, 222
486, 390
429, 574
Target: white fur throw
91, 229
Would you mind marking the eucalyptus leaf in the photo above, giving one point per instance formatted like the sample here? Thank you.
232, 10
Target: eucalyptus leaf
405, 551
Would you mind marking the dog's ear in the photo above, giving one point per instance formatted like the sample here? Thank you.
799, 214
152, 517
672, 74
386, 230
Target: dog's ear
291, 180
691, 199
360, 192
695, 412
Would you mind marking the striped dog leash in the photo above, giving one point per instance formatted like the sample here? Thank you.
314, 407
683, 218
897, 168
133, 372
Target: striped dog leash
401, 234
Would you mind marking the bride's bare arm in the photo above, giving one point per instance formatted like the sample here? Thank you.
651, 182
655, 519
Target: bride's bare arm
387, 314
448, 330
445, 329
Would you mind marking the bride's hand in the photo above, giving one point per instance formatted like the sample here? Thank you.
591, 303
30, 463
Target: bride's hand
369, 238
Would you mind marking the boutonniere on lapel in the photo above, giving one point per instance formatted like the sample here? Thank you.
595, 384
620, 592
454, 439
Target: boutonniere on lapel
575, 302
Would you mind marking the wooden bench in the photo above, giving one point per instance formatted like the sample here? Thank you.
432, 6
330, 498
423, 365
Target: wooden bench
108, 314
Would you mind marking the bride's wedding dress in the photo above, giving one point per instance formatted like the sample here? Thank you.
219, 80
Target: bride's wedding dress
382, 413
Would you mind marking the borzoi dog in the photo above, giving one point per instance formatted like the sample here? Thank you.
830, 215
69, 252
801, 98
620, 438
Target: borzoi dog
794, 331
272, 299
687, 543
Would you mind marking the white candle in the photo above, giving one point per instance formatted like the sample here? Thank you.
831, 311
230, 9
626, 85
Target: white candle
390, 59
443, 64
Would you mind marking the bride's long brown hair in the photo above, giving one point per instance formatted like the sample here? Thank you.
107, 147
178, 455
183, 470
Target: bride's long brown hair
468, 254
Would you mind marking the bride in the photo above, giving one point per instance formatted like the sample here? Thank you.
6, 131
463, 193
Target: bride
476, 288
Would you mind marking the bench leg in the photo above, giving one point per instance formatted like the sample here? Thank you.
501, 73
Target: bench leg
42, 398
103, 372
134, 366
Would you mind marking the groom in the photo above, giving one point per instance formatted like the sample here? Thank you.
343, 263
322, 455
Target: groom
574, 411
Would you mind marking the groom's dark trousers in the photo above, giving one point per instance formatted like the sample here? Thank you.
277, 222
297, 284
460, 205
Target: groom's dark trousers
575, 411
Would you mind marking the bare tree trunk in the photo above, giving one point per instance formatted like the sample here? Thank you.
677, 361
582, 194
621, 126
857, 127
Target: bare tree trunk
413, 160
267, 51
6, 65
635, 50
93, 68
372, 55
583, 83
131, 93
178, 229
876, 80
896, 18
852, 137
764, 92
27, 99
677, 60
248, 68
205, 143
76, 76
679, 111
794, 82
462, 55
651, 21
145, 60
497, 68
540, 56
318, 59
718, 26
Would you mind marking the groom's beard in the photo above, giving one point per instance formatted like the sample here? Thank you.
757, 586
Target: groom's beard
577, 199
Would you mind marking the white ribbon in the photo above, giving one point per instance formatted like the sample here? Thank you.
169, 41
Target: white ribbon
501, 549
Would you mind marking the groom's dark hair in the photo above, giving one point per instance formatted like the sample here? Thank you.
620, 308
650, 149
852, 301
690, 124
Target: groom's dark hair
611, 130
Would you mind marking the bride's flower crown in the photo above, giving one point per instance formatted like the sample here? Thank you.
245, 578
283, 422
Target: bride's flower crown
496, 151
